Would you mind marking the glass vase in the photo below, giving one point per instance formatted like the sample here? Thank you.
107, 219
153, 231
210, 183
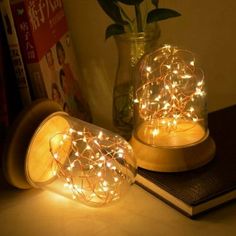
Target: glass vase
131, 47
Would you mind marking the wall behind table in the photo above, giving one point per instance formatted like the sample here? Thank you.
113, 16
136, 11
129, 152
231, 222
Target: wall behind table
207, 28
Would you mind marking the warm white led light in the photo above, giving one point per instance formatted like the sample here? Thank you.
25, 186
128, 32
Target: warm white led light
97, 176
170, 113
171, 99
80, 161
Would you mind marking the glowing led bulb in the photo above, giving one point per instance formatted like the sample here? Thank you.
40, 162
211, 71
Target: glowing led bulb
155, 132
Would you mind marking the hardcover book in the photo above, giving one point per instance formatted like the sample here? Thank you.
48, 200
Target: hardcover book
10, 104
4, 119
48, 53
15, 52
196, 191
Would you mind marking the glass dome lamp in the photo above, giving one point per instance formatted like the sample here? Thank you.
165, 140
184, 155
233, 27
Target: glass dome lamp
170, 119
51, 150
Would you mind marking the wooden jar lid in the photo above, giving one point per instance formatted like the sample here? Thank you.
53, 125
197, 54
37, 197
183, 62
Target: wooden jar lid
19, 137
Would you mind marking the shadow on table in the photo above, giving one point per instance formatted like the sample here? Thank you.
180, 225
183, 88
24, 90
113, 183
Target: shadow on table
8, 193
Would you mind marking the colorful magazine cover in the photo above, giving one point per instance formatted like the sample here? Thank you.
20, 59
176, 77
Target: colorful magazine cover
48, 54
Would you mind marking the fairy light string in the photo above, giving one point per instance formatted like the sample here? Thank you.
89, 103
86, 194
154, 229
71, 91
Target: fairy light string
94, 167
171, 86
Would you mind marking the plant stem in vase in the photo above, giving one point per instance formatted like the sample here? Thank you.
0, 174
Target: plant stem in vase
131, 47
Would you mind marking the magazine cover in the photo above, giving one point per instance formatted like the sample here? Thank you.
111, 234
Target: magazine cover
48, 53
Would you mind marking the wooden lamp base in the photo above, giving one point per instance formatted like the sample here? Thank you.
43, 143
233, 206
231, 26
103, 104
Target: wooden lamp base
19, 138
173, 159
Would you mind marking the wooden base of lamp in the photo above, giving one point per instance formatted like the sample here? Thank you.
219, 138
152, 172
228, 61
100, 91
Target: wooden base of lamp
19, 138
173, 159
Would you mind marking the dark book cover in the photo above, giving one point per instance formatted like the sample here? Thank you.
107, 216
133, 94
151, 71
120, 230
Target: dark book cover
10, 103
212, 181
15, 52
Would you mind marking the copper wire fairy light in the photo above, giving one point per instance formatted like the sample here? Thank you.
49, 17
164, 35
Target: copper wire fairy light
170, 112
70, 157
167, 96
95, 170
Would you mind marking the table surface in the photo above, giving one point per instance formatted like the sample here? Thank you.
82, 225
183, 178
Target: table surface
40, 212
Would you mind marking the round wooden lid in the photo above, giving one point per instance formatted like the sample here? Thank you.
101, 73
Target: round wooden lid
19, 137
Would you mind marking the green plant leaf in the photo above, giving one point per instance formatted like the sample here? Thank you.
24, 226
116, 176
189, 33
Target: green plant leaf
114, 29
112, 10
155, 3
131, 2
161, 14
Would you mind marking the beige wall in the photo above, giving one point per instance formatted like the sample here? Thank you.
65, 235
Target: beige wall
206, 27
